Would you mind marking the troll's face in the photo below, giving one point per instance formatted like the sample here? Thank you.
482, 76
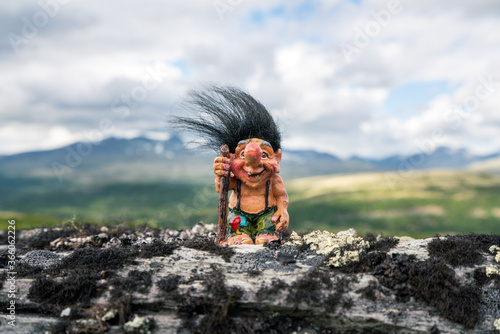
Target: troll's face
255, 161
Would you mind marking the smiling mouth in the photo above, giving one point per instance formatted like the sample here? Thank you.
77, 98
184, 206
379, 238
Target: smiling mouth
256, 175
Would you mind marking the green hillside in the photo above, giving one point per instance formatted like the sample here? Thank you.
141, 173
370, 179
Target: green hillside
161, 203
487, 166
421, 205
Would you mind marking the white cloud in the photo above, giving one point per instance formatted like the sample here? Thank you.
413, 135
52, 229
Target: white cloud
287, 54
35, 137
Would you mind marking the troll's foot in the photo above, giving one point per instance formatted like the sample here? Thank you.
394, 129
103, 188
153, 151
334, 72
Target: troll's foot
240, 239
263, 238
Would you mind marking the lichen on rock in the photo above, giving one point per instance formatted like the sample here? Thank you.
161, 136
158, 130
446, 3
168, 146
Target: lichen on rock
294, 239
495, 249
497, 324
111, 314
492, 270
138, 325
342, 248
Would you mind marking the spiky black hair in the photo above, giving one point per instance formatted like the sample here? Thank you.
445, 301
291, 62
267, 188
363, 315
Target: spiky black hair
227, 115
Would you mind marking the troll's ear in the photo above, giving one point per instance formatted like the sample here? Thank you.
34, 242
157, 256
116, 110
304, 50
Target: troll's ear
277, 155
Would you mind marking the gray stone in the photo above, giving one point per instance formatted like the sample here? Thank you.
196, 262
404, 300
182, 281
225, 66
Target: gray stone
40, 258
199, 229
114, 242
102, 236
417, 247
66, 312
321, 296
173, 233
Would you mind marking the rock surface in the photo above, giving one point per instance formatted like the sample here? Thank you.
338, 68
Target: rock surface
91, 279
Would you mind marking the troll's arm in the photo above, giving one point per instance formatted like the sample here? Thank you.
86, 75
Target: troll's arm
280, 218
222, 167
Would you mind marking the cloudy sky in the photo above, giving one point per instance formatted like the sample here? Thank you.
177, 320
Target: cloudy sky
359, 77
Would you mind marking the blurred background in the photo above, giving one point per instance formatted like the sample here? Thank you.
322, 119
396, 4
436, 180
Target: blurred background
389, 110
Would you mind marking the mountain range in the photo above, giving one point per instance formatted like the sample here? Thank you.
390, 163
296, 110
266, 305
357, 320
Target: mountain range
115, 159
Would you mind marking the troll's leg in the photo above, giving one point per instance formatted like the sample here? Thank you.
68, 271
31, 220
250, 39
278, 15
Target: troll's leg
238, 230
266, 228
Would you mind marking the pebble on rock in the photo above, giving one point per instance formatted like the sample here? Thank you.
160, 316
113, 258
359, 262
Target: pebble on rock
40, 258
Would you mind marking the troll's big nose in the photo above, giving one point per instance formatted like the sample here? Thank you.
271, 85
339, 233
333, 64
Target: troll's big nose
253, 154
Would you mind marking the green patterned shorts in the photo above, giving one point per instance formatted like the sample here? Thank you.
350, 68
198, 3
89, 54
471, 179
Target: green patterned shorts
252, 224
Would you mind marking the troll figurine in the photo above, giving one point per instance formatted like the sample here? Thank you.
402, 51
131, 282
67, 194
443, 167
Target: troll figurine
258, 202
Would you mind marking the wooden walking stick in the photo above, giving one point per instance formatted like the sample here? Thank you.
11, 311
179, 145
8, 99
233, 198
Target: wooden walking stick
223, 200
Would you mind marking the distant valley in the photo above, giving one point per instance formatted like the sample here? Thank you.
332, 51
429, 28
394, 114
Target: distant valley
163, 183
145, 159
